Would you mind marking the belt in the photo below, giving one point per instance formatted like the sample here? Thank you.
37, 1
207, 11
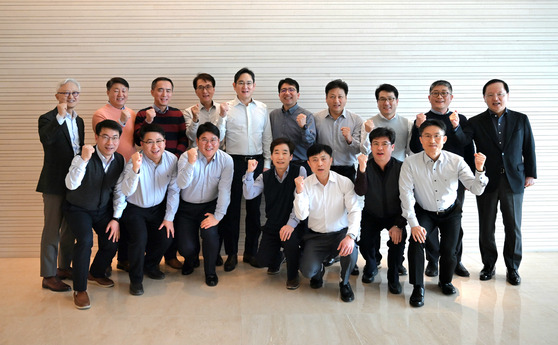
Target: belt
247, 158
442, 212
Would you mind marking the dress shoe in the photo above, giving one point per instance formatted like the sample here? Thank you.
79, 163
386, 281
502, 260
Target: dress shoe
155, 274
187, 269
123, 265
254, 263
174, 263
219, 261
81, 300
447, 288
136, 289
431, 269
331, 260
55, 284
317, 281
355, 271
487, 273
247, 258
347, 294
102, 281
64, 273
394, 287
231, 263
293, 284
402, 270
368, 278
273, 270
211, 280
461, 271
417, 297
513, 277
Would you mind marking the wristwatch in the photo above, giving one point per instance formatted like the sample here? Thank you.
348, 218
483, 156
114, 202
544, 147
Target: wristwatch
352, 236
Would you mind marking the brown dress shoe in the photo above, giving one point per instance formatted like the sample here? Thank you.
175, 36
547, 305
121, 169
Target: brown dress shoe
102, 282
55, 284
81, 300
174, 263
64, 273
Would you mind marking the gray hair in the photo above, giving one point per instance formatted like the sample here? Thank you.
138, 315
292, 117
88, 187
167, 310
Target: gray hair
66, 81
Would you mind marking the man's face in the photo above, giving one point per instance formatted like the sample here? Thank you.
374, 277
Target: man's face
496, 98
433, 139
438, 101
320, 164
107, 141
64, 95
205, 91
387, 104
281, 156
153, 145
336, 100
162, 94
381, 150
288, 95
118, 95
208, 144
244, 87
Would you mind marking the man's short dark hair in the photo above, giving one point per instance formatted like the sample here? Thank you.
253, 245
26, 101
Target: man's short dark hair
288, 81
117, 80
380, 132
443, 83
432, 122
151, 128
242, 71
494, 81
337, 84
204, 77
207, 127
110, 124
387, 88
316, 149
280, 141
158, 79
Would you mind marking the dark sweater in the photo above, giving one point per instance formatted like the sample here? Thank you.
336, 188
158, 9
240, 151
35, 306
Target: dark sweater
279, 196
172, 123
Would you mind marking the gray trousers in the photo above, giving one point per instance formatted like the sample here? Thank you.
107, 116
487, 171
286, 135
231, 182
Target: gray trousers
55, 233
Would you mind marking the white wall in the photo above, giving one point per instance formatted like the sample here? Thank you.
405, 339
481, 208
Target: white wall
408, 44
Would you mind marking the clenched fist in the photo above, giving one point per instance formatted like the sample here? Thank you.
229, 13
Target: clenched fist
301, 120
252, 164
346, 131
137, 159
87, 152
369, 125
420, 119
196, 113
192, 155
124, 116
454, 119
479, 161
150, 115
299, 183
362, 161
223, 109
62, 108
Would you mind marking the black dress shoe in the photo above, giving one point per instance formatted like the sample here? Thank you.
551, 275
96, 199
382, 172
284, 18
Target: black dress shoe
487, 273
317, 281
247, 258
330, 261
211, 280
347, 294
136, 289
368, 278
355, 271
417, 297
123, 265
402, 270
431, 269
461, 271
231, 263
187, 269
156, 274
447, 288
219, 261
394, 287
513, 277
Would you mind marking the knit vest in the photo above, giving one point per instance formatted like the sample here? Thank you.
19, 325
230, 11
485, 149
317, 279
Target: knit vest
382, 198
279, 196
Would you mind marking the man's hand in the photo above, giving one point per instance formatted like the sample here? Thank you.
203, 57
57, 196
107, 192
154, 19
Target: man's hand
124, 116
285, 232
299, 183
223, 109
418, 233
479, 161
346, 246
454, 119
62, 108
395, 234
346, 131
150, 115
113, 228
529, 181
362, 161
368, 125
209, 222
137, 159
87, 152
195, 113
252, 164
301, 120
420, 119
192, 155
169, 226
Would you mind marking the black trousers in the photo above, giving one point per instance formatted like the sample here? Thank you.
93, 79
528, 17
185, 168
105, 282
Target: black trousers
448, 225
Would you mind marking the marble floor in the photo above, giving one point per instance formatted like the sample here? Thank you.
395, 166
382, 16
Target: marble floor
250, 307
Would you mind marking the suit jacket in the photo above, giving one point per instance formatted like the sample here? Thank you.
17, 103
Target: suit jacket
58, 152
517, 157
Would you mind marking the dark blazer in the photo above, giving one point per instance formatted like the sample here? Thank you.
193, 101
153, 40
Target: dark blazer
517, 158
58, 152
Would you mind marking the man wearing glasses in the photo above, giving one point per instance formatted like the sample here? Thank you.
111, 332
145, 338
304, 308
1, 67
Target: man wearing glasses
61, 132
459, 142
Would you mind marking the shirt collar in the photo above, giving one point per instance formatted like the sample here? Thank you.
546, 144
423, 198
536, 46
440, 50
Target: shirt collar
159, 110
291, 110
427, 159
439, 113
106, 161
493, 114
124, 107
342, 114
237, 101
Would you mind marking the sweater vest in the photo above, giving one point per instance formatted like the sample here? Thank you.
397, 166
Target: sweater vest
279, 196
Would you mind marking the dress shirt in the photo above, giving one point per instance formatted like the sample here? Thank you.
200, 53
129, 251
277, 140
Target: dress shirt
284, 125
433, 184
402, 128
329, 133
248, 131
71, 123
206, 181
252, 189
211, 115
150, 185
329, 208
499, 123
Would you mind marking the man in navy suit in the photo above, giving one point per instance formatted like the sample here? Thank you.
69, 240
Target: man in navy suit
61, 132
505, 137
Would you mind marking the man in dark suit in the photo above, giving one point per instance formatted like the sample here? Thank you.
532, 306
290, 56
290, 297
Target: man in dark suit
61, 132
505, 137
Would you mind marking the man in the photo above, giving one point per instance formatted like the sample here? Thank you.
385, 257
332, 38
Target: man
172, 121
292, 121
505, 136
248, 136
378, 180
94, 201
205, 175
149, 184
282, 228
428, 190
459, 142
204, 111
329, 202
61, 132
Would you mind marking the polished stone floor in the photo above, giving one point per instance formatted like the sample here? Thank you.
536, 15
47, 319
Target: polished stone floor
250, 307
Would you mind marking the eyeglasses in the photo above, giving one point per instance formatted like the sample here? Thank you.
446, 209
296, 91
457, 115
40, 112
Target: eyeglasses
443, 94
107, 138
154, 142
290, 89
382, 144
248, 83
67, 93
435, 136
206, 141
207, 87
383, 99
499, 95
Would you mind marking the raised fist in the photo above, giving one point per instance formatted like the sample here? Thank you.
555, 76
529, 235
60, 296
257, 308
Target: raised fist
87, 152
301, 120
479, 161
346, 131
137, 159
124, 116
252, 164
196, 113
223, 109
454, 119
62, 108
420, 119
150, 115
369, 125
192, 155
299, 183
362, 161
